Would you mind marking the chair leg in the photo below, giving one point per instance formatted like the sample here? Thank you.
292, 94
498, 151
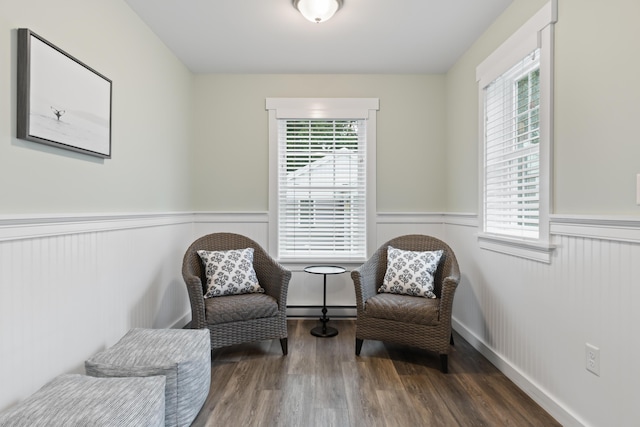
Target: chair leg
451, 340
358, 346
283, 344
444, 363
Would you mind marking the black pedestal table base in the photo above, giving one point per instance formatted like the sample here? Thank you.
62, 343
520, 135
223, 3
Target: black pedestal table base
324, 331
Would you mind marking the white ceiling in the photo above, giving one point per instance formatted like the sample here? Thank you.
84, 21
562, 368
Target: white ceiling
365, 36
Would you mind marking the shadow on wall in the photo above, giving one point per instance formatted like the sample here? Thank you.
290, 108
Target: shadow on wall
467, 311
174, 309
162, 305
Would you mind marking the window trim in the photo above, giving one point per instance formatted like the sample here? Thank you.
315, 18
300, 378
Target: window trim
537, 32
323, 108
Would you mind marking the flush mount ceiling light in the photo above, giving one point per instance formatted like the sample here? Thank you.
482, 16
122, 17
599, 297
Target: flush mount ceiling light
317, 10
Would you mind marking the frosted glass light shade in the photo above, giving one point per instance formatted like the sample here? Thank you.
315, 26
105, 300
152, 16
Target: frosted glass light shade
317, 10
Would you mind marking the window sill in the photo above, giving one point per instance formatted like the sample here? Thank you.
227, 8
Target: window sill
534, 250
321, 261
297, 264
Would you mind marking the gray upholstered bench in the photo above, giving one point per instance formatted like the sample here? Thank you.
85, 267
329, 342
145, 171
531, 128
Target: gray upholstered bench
182, 355
79, 400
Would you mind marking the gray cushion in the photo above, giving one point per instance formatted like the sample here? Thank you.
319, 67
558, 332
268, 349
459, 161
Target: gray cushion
182, 355
238, 308
78, 400
404, 308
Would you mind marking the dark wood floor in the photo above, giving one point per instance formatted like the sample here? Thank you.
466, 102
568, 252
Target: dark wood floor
321, 382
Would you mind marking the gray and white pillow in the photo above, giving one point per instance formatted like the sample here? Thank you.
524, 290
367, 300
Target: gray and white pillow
410, 272
230, 272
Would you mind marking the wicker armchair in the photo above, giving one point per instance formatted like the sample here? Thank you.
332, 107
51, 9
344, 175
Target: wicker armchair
236, 319
415, 321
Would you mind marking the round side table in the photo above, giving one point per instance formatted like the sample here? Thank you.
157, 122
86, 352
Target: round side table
324, 331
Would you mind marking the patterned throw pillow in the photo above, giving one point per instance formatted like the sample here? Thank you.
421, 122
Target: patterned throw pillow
410, 272
230, 272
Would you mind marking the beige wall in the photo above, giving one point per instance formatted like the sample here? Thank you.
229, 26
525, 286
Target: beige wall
231, 153
596, 147
422, 120
151, 115
462, 108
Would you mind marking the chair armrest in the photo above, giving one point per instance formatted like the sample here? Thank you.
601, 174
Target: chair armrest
364, 281
449, 286
274, 279
196, 298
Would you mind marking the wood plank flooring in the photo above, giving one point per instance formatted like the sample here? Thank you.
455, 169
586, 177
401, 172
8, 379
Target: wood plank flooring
321, 382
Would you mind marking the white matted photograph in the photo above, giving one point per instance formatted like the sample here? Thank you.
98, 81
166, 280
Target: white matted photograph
61, 101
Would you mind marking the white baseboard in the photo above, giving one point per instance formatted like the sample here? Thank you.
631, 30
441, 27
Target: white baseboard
540, 396
182, 321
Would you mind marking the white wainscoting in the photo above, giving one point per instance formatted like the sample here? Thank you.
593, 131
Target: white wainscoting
73, 285
532, 320
306, 290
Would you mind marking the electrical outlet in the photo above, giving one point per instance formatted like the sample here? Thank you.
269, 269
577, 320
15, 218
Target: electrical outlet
593, 359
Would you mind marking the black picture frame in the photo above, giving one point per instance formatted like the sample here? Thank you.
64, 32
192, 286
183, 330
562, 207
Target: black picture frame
61, 101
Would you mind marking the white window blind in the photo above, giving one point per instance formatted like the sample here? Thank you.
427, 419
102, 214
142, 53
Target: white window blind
512, 151
321, 188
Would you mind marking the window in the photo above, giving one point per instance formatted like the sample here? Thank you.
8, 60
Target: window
322, 194
512, 155
515, 84
321, 188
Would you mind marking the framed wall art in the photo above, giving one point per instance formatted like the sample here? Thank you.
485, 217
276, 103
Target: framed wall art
62, 102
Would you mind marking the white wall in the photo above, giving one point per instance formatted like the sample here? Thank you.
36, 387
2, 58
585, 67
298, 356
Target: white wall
76, 269
120, 270
95, 277
73, 286
532, 319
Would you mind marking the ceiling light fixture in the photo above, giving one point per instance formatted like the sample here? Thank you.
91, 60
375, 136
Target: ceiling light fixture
317, 10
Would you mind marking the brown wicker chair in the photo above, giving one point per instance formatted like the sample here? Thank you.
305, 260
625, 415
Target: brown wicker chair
236, 319
415, 321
